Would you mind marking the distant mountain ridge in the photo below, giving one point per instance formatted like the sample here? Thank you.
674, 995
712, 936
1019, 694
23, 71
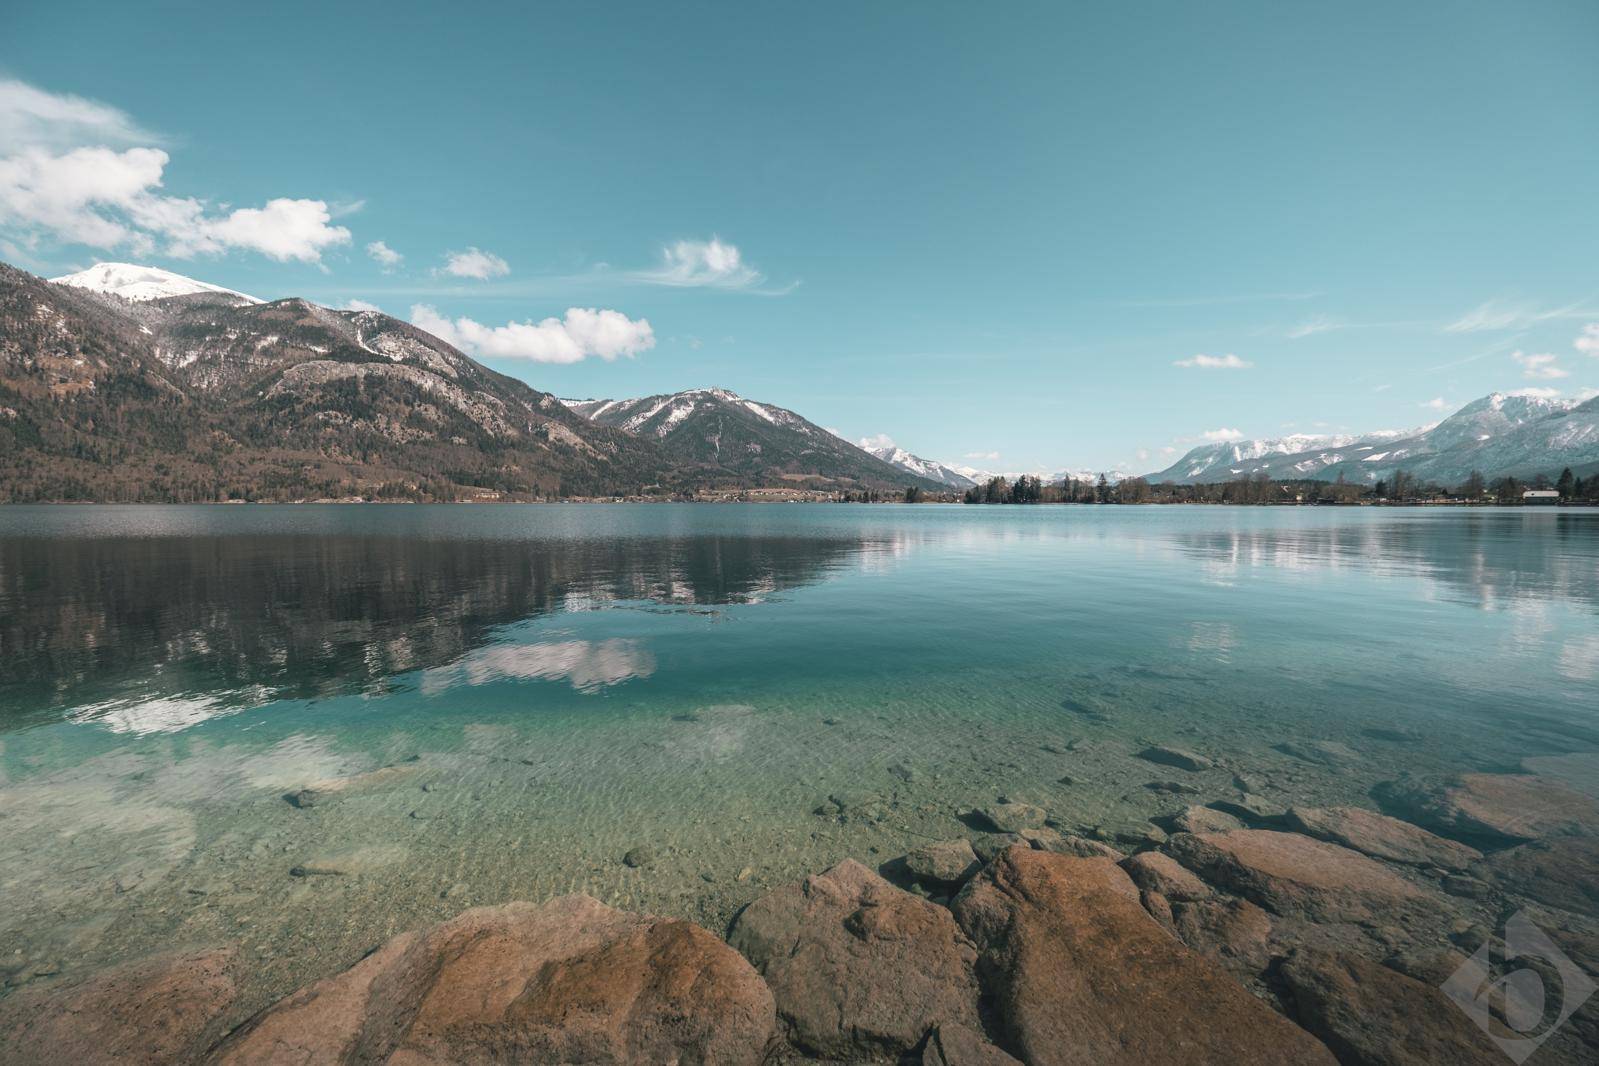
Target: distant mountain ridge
124, 382
915, 465
751, 440
1499, 435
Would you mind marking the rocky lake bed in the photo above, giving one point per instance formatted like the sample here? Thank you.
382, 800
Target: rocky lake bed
1216, 913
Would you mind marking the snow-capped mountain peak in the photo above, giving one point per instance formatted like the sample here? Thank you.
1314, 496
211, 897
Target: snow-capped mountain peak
895, 456
138, 283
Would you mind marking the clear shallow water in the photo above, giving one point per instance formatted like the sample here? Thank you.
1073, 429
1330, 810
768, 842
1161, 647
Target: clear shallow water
498, 702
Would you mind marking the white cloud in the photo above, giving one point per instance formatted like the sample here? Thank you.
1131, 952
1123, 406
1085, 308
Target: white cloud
361, 305
1539, 367
1221, 434
1587, 341
384, 256
34, 118
1537, 392
1586, 393
61, 181
1437, 403
582, 333
1215, 362
475, 263
881, 440
711, 264
990, 457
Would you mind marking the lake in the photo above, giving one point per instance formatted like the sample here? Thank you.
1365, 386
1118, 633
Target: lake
302, 729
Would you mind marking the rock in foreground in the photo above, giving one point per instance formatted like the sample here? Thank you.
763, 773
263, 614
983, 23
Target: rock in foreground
1082, 976
1373, 1016
860, 968
1292, 874
1381, 836
571, 980
1493, 809
1562, 872
153, 1012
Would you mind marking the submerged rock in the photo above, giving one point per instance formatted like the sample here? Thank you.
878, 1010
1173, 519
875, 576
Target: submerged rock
571, 980
945, 865
1081, 974
1011, 817
989, 845
1198, 819
1373, 1016
1295, 875
1493, 809
1178, 757
1253, 809
1561, 872
859, 968
153, 1012
1321, 752
642, 855
1378, 835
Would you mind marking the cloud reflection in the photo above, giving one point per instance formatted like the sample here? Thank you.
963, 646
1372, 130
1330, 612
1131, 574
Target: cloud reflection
588, 665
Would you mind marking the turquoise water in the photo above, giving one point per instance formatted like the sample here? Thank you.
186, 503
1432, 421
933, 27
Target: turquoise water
497, 702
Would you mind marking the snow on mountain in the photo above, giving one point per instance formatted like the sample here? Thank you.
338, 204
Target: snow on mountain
1517, 434
756, 440
140, 283
894, 455
1049, 477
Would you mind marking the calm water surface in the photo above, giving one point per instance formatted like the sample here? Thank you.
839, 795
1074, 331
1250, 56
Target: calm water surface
495, 703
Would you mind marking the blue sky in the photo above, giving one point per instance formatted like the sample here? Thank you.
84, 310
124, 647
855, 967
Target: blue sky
1003, 236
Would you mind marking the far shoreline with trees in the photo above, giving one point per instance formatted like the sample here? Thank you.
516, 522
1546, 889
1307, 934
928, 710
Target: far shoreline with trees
1399, 488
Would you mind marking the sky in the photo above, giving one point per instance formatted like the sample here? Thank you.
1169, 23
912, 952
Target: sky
1032, 236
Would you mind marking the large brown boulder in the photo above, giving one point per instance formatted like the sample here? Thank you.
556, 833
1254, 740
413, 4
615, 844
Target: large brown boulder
1292, 874
571, 980
1154, 871
1492, 809
859, 968
1234, 932
1381, 836
155, 1011
1373, 1016
1081, 975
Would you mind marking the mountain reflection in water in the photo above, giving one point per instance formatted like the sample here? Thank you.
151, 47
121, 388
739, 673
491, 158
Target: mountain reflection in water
181, 627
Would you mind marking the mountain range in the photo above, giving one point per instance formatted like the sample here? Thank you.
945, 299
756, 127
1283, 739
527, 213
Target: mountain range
125, 382
130, 383
1503, 434
754, 442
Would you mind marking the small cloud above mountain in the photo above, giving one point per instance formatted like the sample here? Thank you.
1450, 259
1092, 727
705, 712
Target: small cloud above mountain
474, 263
583, 332
384, 256
1539, 366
